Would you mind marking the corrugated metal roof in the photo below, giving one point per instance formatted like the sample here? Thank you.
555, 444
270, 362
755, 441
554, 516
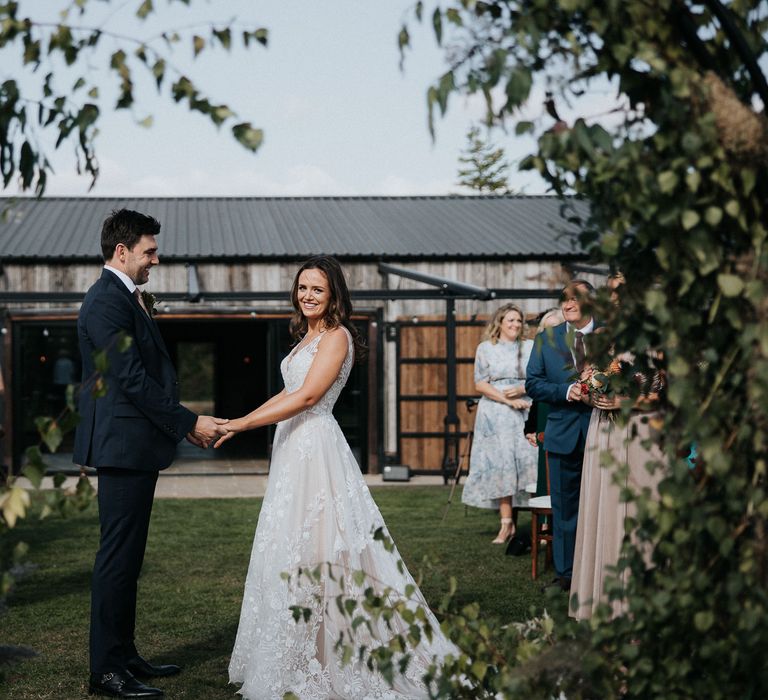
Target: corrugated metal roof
200, 228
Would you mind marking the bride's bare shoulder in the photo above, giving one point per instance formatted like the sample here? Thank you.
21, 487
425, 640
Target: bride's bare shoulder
335, 338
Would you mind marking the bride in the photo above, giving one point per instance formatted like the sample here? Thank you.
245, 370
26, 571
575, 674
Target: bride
317, 509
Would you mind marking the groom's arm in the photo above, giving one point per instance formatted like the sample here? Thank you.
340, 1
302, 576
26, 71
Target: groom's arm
109, 318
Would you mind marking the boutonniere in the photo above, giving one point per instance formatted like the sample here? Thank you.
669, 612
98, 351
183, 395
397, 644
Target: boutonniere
150, 300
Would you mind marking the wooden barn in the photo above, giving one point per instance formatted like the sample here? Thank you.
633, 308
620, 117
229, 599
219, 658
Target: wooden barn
422, 270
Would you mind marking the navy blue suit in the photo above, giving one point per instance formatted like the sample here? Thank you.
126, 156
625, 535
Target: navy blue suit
549, 374
128, 435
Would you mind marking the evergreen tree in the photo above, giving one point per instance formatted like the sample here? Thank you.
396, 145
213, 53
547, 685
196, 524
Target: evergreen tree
485, 166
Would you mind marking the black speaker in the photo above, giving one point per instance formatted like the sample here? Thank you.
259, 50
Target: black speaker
396, 472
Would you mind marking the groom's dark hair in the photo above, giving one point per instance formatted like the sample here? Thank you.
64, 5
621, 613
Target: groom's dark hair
127, 227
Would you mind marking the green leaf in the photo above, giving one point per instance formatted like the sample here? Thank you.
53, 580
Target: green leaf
730, 285
693, 180
144, 9
444, 88
50, 432
732, 208
14, 504
703, 620
713, 215
248, 136
158, 70
519, 86
403, 38
690, 219
523, 128
198, 44
610, 243
437, 23
124, 341
70, 397
453, 15
667, 181
34, 468
100, 361
479, 669
224, 36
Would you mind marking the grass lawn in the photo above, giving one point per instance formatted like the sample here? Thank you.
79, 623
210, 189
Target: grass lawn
191, 585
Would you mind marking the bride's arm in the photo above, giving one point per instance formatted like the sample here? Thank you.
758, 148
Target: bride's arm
325, 368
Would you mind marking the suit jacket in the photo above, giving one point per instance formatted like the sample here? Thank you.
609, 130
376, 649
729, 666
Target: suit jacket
139, 421
549, 374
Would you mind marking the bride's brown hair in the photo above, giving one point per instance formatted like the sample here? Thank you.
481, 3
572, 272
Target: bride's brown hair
339, 306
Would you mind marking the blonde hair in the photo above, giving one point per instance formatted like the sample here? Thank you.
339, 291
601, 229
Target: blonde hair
493, 329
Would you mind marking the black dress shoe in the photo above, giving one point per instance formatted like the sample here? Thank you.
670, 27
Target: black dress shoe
121, 685
144, 669
565, 584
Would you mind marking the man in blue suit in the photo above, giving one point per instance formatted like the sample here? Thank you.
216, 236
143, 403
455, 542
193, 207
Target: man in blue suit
130, 423
552, 375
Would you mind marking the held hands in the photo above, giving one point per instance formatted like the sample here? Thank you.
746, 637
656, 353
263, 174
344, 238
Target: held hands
233, 428
206, 430
518, 404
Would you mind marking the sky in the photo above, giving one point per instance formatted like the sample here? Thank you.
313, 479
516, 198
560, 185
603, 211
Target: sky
340, 116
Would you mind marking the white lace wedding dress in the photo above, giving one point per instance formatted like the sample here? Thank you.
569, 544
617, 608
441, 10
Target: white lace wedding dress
317, 509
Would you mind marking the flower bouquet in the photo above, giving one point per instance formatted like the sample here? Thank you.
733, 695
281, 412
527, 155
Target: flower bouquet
596, 382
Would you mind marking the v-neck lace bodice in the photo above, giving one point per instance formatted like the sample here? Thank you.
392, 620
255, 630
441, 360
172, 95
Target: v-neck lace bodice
295, 367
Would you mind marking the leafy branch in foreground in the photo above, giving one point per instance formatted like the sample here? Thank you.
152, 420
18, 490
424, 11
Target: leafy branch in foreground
384, 627
677, 184
15, 500
42, 103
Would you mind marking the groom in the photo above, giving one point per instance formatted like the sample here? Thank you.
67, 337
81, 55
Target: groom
131, 421
556, 361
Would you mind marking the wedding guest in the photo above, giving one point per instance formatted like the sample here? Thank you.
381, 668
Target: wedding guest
553, 376
501, 463
615, 457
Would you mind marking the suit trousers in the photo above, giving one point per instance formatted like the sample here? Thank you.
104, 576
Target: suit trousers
125, 504
565, 486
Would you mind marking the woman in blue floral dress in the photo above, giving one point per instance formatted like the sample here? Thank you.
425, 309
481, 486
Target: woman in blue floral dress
502, 462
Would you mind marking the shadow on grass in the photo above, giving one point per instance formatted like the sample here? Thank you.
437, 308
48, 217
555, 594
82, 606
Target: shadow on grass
201, 652
34, 588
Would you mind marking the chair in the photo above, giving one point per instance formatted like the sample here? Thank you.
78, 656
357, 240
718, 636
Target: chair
541, 507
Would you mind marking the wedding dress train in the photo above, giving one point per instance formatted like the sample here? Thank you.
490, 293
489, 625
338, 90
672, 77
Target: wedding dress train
318, 509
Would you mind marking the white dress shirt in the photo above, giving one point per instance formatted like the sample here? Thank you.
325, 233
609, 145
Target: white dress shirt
127, 281
569, 328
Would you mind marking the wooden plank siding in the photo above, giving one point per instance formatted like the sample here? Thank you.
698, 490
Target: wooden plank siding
422, 386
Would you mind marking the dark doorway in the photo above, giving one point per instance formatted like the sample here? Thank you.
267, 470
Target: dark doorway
222, 368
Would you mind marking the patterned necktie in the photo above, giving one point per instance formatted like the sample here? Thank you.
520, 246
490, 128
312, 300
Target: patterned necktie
579, 352
139, 298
